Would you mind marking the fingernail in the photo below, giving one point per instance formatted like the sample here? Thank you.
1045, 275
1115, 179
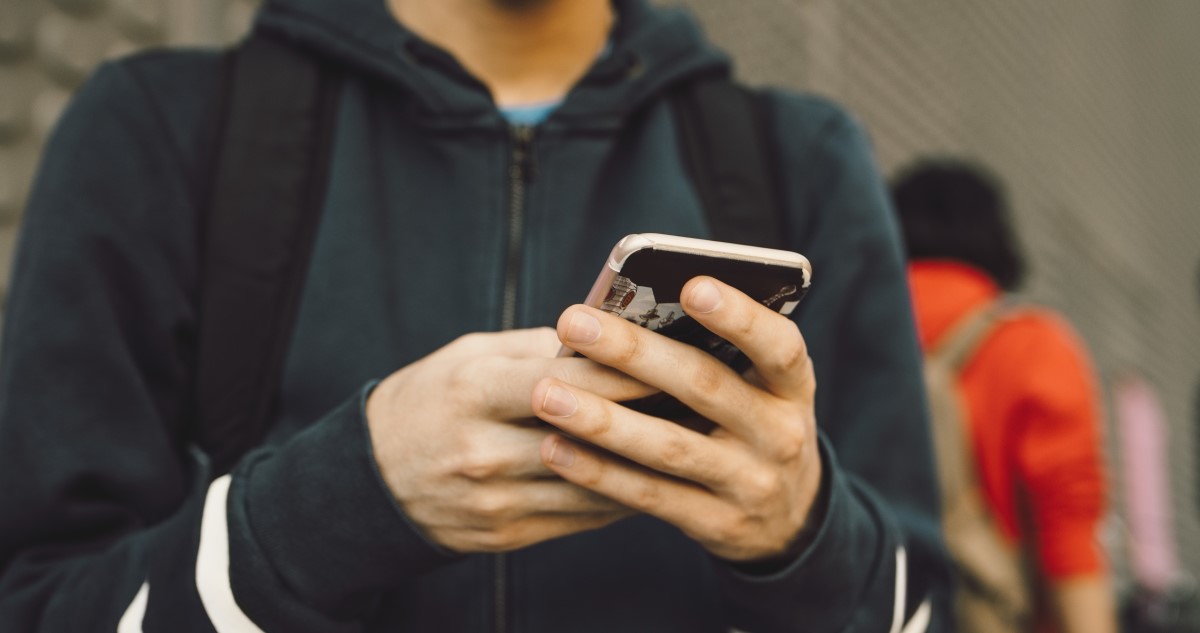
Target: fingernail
562, 455
705, 297
583, 328
559, 402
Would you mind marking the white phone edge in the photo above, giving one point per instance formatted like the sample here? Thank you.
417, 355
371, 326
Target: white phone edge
631, 244
635, 242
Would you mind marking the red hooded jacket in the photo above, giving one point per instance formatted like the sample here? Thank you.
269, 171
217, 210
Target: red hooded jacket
1035, 421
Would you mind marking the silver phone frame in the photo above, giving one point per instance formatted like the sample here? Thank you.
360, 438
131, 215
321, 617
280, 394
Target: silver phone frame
636, 242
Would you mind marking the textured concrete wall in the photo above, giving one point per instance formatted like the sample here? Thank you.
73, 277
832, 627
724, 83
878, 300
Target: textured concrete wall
1086, 107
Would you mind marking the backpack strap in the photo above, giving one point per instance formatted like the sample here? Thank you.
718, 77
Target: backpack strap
993, 579
943, 367
958, 345
267, 193
722, 129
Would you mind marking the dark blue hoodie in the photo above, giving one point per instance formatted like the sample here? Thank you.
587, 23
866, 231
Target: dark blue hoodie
107, 517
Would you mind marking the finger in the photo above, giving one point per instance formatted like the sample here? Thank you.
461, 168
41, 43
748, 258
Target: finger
685, 505
528, 531
771, 341
692, 375
500, 387
539, 342
654, 443
501, 503
566, 498
500, 451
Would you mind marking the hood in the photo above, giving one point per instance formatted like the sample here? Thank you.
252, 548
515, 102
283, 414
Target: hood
652, 50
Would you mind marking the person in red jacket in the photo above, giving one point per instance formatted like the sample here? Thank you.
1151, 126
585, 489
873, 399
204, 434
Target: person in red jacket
1029, 389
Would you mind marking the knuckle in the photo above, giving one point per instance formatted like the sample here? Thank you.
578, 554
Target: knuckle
761, 485
708, 378
676, 454
789, 447
467, 343
711, 389
631, 348
731, 528
593, 477
746, 324
491, 506
477, 465
648, 496
599, 423
463, 376
631, 387
792, 354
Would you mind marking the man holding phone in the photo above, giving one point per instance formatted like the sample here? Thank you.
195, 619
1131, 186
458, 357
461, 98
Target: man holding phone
407, 484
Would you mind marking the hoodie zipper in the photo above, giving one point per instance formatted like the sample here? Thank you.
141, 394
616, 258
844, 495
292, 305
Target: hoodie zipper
500, 591
520, 174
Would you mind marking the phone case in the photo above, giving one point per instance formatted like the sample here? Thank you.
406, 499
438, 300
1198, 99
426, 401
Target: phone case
645, 273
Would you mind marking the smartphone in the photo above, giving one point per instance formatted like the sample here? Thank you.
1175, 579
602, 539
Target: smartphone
645, 272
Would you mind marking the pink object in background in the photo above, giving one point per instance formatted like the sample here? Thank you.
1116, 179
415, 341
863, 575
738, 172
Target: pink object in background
1143, 433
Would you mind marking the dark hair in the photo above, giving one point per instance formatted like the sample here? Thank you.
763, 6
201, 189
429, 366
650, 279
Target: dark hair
951, 209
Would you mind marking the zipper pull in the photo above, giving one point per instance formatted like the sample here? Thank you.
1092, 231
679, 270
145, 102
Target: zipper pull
523, 168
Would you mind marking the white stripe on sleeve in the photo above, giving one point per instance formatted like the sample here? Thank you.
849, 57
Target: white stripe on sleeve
901, 589
920, 620
131, 621
212, 565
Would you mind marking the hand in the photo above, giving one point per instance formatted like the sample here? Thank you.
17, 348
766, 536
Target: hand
742, 491
455, 441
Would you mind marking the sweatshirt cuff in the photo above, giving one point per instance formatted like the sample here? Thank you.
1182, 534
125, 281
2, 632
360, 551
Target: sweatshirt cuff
319, 514
824, 586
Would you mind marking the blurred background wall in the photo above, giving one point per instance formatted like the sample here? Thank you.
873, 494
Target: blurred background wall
1087, 108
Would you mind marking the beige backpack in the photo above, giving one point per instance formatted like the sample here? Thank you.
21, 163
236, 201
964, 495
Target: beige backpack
993, 592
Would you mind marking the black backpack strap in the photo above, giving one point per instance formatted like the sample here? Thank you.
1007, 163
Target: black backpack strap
268, 189
722, 128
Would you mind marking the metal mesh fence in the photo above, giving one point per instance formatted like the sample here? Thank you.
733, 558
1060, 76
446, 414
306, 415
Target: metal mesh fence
1085, 107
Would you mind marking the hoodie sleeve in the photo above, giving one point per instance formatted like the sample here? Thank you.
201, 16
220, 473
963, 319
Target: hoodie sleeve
876, 563
108, 520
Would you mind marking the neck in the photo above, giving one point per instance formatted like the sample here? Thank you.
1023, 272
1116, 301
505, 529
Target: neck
524, 51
